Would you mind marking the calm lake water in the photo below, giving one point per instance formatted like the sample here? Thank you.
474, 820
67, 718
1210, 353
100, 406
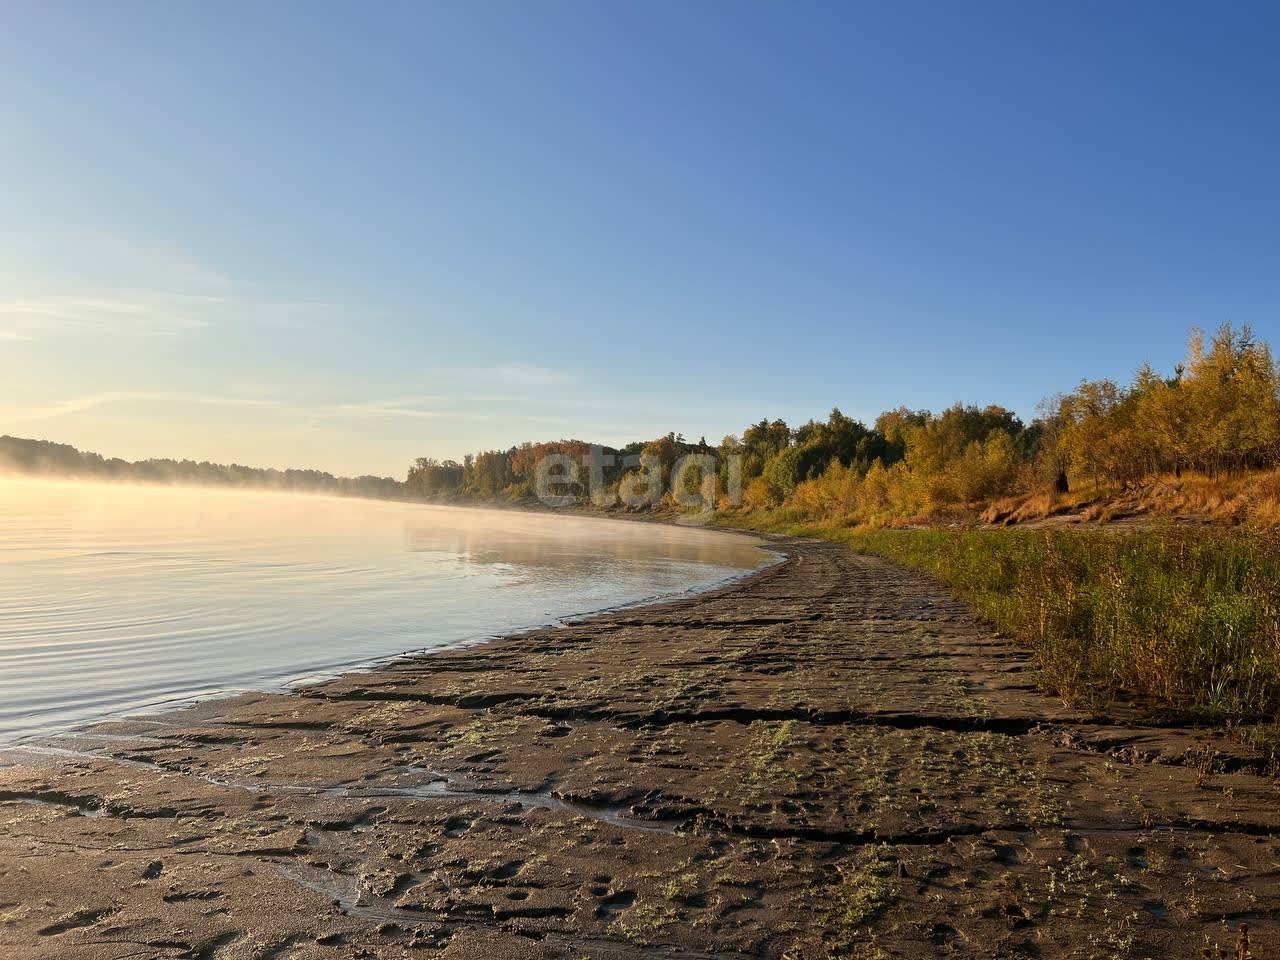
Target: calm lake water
116, 599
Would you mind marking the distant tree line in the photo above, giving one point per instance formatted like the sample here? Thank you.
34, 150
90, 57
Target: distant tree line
18, 455
1219, 412
1216, 414
511, 475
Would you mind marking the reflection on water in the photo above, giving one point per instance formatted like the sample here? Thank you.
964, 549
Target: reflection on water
117, 598
572, 548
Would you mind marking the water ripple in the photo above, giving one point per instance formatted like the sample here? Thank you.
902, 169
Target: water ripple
117, 599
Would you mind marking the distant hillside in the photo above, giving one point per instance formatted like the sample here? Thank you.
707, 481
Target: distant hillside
42, 457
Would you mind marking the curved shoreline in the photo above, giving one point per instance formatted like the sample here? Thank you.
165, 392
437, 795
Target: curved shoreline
826, 755
117, 604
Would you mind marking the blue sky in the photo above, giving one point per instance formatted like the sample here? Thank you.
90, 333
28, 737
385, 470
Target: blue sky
345, 235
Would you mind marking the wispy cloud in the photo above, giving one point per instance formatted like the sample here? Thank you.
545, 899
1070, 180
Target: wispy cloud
418, 407
88, 283
58, 408
525, 374
407, 407
26, 318
148, 314
404, 407
92, 401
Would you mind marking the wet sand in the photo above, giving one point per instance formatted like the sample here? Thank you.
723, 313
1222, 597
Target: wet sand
829, 758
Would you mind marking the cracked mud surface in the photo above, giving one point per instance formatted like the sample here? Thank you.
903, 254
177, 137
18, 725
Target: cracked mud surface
828, 759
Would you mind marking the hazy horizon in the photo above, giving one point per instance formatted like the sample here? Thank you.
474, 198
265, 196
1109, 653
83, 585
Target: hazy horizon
342, 241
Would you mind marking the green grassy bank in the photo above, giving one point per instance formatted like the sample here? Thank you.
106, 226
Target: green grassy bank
1189, 618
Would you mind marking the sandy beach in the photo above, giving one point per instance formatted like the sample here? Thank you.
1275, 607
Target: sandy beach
827, 758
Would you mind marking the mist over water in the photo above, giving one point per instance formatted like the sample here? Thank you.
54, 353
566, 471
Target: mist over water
122, 598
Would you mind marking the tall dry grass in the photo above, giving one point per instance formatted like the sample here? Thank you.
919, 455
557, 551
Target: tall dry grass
1186, 618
